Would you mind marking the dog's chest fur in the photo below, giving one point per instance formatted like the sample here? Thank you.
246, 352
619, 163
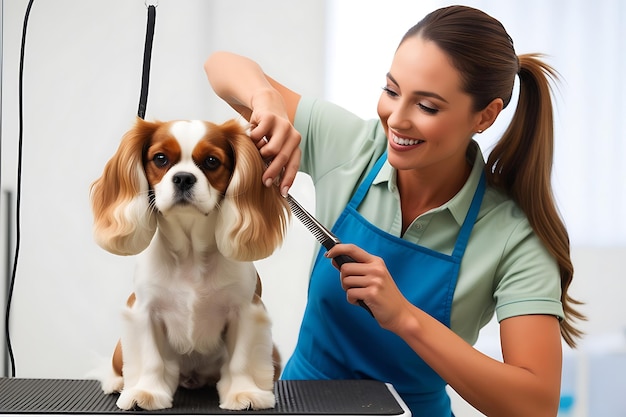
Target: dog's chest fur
192, 290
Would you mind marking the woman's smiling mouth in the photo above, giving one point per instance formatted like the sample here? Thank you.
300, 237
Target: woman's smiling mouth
399, 141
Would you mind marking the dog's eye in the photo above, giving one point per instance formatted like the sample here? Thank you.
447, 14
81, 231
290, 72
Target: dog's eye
211, 163
160, 160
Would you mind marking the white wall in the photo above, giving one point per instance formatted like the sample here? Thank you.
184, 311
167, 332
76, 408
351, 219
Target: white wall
81, 88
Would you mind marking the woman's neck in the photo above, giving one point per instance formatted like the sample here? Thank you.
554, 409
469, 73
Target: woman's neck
423, 191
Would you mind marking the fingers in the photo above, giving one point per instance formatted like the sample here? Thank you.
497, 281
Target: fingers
279, 142
285, 167
360, 286
364, 279
360, 271
353, 251
264, 141
368, 281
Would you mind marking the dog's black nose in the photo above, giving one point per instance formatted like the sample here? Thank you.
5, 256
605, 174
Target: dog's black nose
184, 180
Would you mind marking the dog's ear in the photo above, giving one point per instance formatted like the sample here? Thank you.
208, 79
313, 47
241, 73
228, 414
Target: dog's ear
253, 218
124, 221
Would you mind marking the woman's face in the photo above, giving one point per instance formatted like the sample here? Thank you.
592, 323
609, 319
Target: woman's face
427, 117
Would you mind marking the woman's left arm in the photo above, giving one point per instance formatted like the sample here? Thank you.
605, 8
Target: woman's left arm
527, 383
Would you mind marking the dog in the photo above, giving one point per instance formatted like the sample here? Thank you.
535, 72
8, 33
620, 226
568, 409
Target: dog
188, 198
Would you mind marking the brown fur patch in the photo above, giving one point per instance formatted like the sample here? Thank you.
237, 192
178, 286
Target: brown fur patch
118, 361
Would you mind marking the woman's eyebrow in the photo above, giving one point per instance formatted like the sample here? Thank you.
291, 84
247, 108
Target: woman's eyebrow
419, 93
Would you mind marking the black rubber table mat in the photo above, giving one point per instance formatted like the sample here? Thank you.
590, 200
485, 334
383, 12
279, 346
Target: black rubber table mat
64, 396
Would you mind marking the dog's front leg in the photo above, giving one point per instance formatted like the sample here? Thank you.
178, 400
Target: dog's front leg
247, 377
150, 369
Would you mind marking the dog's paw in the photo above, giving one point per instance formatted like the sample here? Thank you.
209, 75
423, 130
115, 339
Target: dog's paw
112, 384
255, 399
132, 398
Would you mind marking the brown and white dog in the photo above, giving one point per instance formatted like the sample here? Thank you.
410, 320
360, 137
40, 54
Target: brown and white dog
187, 196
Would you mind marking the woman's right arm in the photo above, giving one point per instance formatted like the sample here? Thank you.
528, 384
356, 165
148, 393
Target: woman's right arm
269, 106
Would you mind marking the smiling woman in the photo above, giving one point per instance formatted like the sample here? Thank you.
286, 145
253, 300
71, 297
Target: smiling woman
440, 240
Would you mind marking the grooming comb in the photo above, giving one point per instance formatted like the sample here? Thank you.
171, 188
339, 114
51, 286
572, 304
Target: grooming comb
321, 233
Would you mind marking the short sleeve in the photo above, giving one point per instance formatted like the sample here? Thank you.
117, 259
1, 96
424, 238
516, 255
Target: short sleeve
530, 280
333, 137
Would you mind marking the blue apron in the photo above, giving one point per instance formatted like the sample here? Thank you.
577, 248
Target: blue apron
341, 341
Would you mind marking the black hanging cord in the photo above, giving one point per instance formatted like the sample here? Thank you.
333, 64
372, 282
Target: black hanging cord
147, 55
141, 113
19, 193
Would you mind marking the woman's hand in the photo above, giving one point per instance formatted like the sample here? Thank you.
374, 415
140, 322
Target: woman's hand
269, 106
276, 138
278, 141
369, 280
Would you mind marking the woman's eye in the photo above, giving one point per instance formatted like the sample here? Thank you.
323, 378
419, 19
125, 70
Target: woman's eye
211, 163
390, 92
160, 160
427, 109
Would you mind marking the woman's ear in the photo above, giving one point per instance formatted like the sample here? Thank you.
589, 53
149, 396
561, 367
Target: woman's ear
253, 218
124, 221
488, 115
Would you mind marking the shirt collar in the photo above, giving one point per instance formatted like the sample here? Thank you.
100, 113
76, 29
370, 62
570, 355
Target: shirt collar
458, 205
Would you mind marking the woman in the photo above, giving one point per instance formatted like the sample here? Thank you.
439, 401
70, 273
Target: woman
441, 240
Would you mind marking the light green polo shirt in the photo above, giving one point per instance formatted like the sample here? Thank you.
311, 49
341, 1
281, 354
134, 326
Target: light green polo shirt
506, 269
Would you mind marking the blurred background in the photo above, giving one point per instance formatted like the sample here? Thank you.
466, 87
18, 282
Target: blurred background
82, 74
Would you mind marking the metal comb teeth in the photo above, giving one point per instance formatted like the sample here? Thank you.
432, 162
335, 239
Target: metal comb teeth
321, 233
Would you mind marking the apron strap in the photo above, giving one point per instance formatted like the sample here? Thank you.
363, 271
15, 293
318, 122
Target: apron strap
470, 219
367, 182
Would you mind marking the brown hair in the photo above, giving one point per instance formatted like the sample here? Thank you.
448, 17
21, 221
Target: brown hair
521, 162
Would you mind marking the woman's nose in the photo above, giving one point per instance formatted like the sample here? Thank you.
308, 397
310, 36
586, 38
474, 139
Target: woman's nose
399, 118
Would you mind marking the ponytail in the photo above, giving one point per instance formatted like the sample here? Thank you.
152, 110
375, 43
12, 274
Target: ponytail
521, 165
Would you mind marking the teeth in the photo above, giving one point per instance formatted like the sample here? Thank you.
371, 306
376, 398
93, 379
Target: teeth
405, 142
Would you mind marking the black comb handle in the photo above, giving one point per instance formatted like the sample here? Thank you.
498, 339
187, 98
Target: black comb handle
342, 259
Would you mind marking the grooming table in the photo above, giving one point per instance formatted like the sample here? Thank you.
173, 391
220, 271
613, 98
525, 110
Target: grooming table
56, 397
